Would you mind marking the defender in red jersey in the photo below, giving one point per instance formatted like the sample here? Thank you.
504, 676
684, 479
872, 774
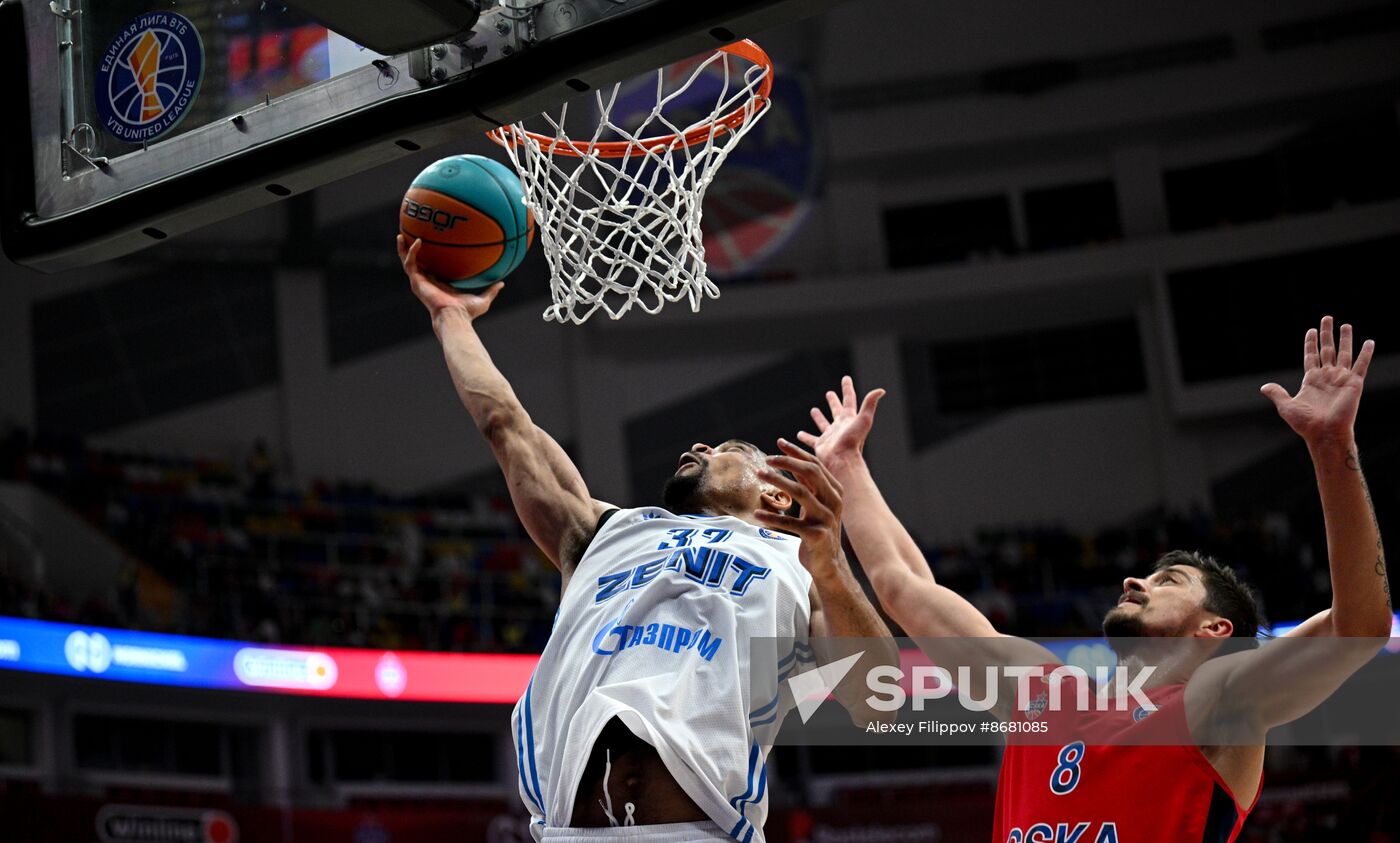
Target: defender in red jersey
1083, 791
1166, 772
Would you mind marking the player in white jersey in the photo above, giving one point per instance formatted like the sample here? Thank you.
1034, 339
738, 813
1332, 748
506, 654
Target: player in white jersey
657, 698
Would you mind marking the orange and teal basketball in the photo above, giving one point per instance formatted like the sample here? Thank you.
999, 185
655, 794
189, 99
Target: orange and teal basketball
470, 213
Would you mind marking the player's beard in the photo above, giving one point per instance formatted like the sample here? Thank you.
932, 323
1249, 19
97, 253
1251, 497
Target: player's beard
683, 493
1118, 624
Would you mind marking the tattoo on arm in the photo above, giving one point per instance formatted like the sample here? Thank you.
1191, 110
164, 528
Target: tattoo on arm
1354, 464
1385, 580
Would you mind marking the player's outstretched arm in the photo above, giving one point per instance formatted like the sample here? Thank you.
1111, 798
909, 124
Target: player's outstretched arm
891, 558
1323, 413
549, 494
948, 628
843, 622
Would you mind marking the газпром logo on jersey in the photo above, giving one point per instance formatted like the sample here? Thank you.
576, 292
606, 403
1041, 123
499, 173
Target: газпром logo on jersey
149, 76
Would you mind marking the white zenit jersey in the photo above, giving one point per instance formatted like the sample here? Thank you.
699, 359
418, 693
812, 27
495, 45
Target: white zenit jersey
664, 625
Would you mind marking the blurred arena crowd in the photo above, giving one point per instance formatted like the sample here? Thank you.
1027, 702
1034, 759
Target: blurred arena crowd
223, 549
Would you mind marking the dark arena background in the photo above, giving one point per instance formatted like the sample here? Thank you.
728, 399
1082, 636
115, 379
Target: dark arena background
260, 577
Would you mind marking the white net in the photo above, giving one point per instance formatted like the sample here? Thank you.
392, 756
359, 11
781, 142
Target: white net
619, 220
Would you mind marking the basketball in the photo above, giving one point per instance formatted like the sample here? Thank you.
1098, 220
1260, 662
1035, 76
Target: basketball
470, 213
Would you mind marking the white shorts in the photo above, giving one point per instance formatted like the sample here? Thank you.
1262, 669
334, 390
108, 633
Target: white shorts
693, 832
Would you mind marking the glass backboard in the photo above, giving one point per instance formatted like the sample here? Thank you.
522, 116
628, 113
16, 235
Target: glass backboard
150, 118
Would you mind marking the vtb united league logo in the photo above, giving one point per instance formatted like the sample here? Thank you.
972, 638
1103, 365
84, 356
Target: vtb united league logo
149, 76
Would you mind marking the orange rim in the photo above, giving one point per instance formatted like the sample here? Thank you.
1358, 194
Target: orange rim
744, 49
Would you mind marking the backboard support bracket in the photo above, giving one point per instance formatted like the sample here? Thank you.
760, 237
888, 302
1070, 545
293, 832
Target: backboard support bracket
75, 163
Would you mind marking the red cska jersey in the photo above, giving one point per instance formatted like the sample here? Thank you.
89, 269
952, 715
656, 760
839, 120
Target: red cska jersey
1094, 789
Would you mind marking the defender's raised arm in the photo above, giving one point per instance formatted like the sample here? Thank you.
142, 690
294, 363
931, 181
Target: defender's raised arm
843, 621
1323, 413
891, 558
893, 561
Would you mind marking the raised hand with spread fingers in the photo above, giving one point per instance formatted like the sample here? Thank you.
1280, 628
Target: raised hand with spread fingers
842, 437
1327, 400
844, 623
1323, 413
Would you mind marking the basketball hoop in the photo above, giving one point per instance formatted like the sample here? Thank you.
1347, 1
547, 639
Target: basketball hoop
619, 220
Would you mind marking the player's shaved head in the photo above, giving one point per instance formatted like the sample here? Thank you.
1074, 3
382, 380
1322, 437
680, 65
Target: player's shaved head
701, 490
